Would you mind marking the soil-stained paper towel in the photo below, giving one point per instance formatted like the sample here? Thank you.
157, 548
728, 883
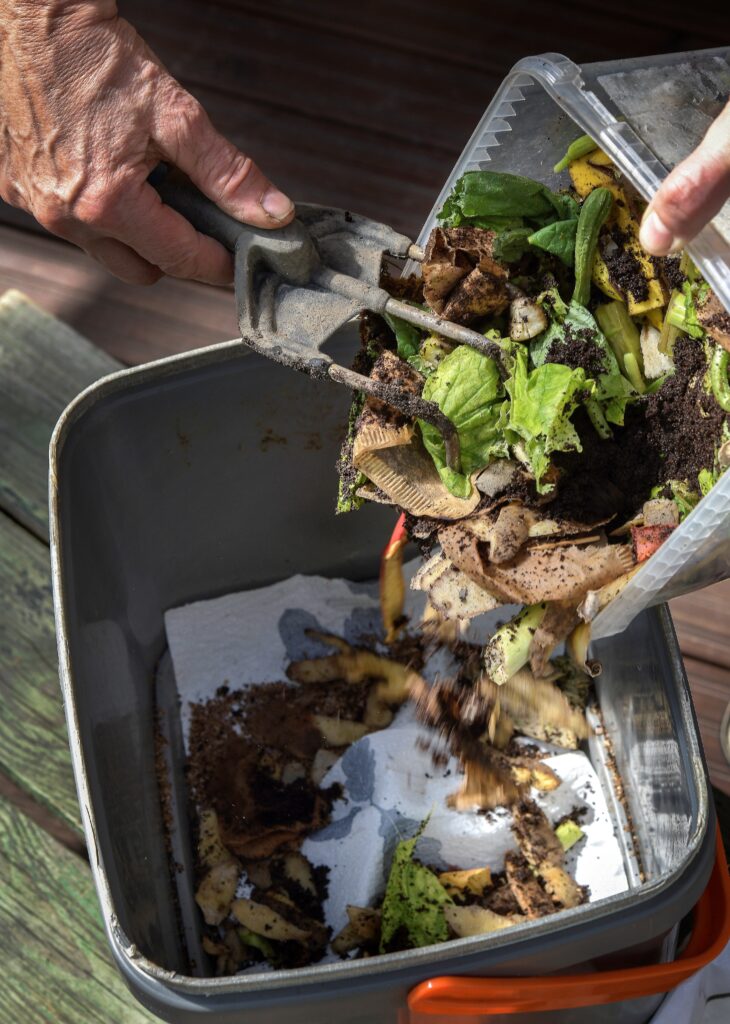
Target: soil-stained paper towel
390, 781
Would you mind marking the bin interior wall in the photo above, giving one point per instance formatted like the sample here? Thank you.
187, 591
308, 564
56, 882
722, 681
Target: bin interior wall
197, 485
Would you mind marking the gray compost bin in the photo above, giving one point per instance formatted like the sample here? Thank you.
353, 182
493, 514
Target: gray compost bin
214, 472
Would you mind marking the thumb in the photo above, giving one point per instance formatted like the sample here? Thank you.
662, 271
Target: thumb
220, 170
692, 194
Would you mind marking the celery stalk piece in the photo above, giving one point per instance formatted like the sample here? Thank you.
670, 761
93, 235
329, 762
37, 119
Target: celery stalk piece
670, 332
677, 311
509, 649
719, 378
621, 333
599, 421
569, 833
633, 372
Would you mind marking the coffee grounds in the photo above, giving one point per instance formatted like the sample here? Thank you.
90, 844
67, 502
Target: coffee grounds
623, 267
578, 349
668, 270
670, 435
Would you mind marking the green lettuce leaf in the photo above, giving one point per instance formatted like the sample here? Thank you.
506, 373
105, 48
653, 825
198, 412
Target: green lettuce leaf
557, 238
414, 900
407, 336
249, 938
612, 390
349, 482
509, 246
542, 402
466, 387
492, 194
682, 310
707, 478
684, 497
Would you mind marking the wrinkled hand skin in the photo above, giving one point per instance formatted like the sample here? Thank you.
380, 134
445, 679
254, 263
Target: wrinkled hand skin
692, 194
86, 111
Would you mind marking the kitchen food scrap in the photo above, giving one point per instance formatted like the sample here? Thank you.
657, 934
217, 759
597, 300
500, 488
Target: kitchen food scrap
592, 428
350, 802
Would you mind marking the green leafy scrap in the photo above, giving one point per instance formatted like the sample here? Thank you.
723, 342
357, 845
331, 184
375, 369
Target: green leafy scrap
612, 390
408, 337
249, 938
707, 478
557, 238
495, 194
683, 496
466, 387
682, 312
542, 402
414, 900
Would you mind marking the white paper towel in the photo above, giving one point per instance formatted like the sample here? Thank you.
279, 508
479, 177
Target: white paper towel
390, 782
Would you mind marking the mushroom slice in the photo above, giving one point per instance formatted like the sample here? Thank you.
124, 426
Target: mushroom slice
264, 921
661, 512
456, 596
216, 891
474, 920
527, 318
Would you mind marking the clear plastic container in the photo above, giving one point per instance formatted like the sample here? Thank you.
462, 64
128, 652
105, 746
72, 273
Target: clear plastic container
647, 114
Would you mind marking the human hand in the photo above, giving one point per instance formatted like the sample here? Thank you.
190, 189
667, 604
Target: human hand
86, 111
692, 194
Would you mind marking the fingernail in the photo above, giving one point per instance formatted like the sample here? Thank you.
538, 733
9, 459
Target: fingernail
656, 237
276, 204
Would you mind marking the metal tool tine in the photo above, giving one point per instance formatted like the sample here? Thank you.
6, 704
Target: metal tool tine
446, 328
410, 405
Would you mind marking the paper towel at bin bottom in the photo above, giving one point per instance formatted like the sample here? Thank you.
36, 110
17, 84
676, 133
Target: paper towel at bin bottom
391, 784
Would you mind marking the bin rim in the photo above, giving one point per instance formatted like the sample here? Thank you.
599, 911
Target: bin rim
473, 997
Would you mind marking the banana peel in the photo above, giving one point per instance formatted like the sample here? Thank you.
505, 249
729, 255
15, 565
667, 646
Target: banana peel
596, 171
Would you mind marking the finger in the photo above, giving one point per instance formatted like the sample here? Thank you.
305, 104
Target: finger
692, 194
165, 239
122, 261
220, 170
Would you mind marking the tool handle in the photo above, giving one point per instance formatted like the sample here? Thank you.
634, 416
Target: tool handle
289, 251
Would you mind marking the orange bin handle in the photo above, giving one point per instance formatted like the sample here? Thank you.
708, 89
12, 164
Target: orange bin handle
484, 997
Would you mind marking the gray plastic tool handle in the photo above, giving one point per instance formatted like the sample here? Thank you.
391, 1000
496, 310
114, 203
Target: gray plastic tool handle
288, 251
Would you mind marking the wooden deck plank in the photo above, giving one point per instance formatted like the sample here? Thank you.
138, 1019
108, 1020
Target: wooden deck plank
33, 739
710, 685
43, 365
131, 324
702, 621
57, 968
585, 30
